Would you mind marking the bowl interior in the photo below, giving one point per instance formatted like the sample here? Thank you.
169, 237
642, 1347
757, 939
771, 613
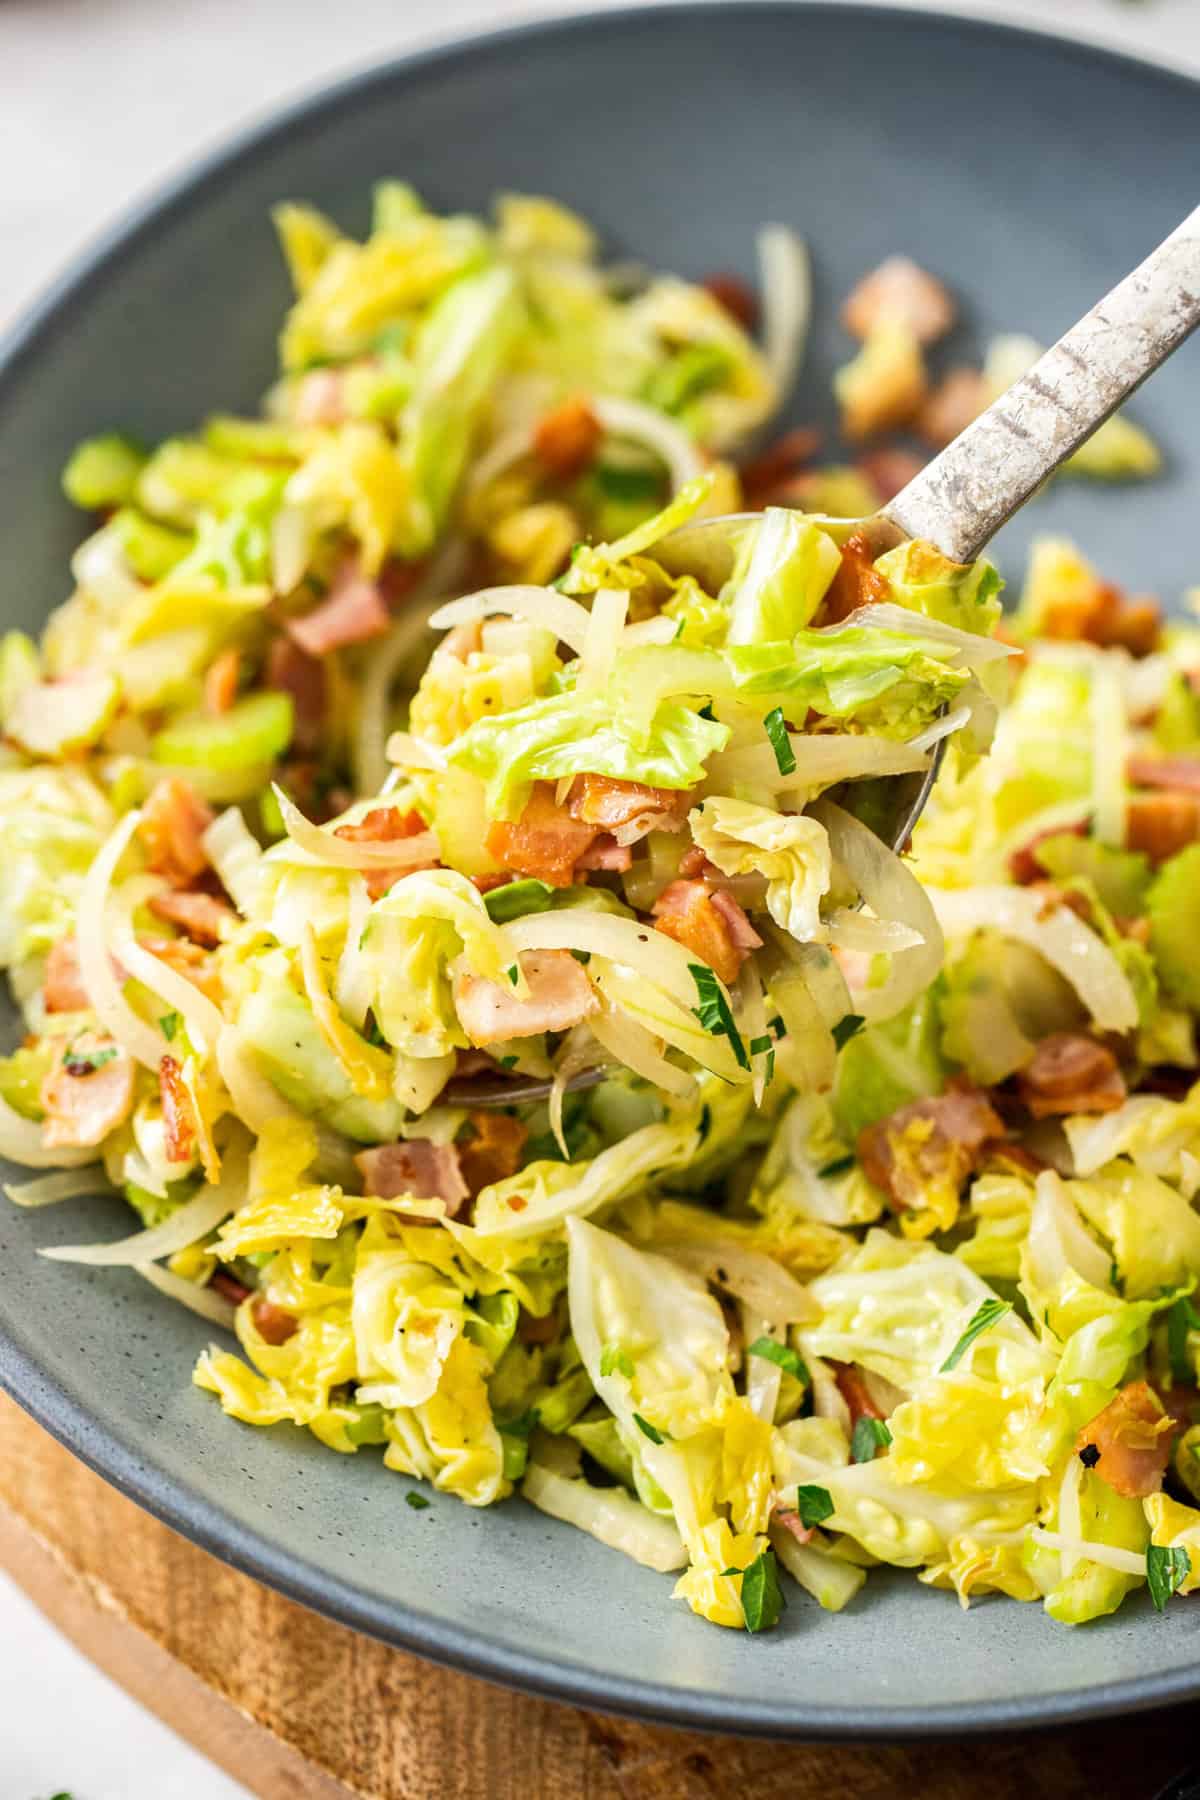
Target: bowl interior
1032, 175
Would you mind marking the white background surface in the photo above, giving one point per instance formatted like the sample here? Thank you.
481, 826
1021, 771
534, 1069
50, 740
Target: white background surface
100, 101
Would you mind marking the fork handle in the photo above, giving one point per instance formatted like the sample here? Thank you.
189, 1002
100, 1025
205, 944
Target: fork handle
961, 499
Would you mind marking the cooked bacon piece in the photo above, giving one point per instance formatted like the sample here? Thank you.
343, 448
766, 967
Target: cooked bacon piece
319, 398
929, 1144
889, 469
419, 1167
853, 1388
187, 959
764, 475
546, 842
384, 825
857, 583
1102, 615
534, 1330
353, 611
485, 883
172, 824
1137, 626
803, 1534
1023, 863
900, 290
293, 671
493, 1152
202, 917
560, 995
1070, 1073
230, 1286
566, 438
179, 1119
957, 399
693, 862
688, 912
1161, 824
221, 681
1181, 774
63, 987
275, 1325
735, 295
629, 809
607, 854
87, 1093
1133, 1437
740, 929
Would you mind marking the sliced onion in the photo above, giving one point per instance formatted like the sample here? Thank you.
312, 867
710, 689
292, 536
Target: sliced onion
388, 658
827, 1395
821, 760
236, 855
21, 1142
202, 1300
646, 425
93, 933
639, 1050
344, 853
202, 1019
1056, 933
657, 631
1129, 1562
415, 753
764, 1378
541, 606
892, 892
747, 1274
640, 947
579, 1051
972, 651
606, 623
851, 930
256, 1101
194, 1220
355, 981
751, 1013
941, 728
786, 275
63, 1184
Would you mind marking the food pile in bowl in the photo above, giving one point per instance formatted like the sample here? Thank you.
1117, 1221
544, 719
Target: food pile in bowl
468, 945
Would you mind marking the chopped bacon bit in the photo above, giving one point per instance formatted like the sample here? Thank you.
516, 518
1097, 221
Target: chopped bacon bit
1179, 773
292, 671
463, 641
353, 611
275, 1325
957, 399
319, 398
607, 854
546, 842
854, 1391
384, 825
688, 912
187, 959
1133, 1437
740, 929
532, 1329
1137, 626
494, 1151
486, 883
172, 824
222, 680
889, 469
1161, 824
803, 1534
1136, 929
857, 583
560, 995
1102, 615
201, 916
63, 987
1023, 864
418, 1167
629, 809
902, 291
87, 1093
566, 438
735, 295
934, 1143
693, 862
764, 474
230, 1286
1179, 1403
179, 1119
1070, 1073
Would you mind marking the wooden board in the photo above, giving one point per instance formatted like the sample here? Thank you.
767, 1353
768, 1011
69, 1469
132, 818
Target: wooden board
301, 1709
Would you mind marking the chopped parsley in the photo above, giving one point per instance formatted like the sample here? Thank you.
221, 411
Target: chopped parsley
763, 1046
513, 973
1167, 1568
418, 1502
713, 1011
782, 1355
762, 1596
615, 1361
870, 1437
814, 1505
777, 1026
781, 744
508, 1062
647, 1430
841, 1165
169, 1025
847, 1028
88, 1062
987, 1314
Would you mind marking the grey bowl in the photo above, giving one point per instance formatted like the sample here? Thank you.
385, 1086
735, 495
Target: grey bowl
1032, 173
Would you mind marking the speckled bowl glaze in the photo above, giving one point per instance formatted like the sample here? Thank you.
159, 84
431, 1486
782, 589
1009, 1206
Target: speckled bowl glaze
1031, 173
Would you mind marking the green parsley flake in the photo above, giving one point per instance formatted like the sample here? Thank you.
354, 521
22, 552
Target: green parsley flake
1167, 1568
988, 1313
776, 730
870, 1437
513, 973
169, 1025
647, 1430
89, 1062
418, 1502
814, 1505
841, 1165
762, 1596
713, 1011
847, 1028
782, 1355
615, 1361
